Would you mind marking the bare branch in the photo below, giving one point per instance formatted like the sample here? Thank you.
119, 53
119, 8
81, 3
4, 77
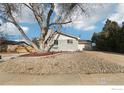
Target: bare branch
81, 8
60, 23
50, 13
37, 16
5, 19
28, 6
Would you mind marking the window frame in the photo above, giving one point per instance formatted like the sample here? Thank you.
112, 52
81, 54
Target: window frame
55, 42
69, 41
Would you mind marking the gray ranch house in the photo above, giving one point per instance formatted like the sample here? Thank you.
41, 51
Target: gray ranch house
65, 42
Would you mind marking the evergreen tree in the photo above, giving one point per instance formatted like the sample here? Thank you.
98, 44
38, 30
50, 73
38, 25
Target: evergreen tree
111, 38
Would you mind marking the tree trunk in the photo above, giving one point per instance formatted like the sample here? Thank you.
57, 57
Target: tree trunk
23, 33
26, 38
42, 42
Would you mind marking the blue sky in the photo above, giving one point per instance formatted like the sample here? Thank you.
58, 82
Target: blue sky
34, 31
82, 27
85, 35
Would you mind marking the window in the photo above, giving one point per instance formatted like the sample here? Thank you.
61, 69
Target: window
56, 42
55, 47
69, 41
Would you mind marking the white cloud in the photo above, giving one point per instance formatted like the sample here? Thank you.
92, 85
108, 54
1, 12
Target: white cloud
96, 13
26, 15
119, 14
10, 29
89, 28
25, 28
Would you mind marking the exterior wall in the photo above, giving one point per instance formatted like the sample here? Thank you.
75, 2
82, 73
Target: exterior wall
86, 46
20, 49
81, 47
3, 48
63, 37
63, 45
11, 48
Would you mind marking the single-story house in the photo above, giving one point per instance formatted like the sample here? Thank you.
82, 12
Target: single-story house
58, 41
3, 47
64, 42
84, 45
14, 46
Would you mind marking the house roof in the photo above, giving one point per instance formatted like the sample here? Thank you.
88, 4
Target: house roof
77, 38
9, 42
84, 41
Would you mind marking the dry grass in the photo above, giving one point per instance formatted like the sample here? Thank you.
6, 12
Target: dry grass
107, 56
61, 64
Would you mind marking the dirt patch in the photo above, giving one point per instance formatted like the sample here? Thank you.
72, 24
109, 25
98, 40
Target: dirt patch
66, 63
107, 56
38, 54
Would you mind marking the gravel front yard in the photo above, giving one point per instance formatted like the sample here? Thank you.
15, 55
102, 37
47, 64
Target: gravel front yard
63, 63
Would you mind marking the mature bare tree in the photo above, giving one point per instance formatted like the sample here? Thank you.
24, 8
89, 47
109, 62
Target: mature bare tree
53, 16
48, 16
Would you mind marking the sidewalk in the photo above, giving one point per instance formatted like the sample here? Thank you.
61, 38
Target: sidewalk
6, 57
62, 79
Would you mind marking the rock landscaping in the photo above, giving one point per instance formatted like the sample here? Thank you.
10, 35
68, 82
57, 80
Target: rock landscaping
65, 63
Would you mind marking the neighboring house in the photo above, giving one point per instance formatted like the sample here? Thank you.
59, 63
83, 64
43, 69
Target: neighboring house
64, 42
84, 45
14, 46
3, 47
